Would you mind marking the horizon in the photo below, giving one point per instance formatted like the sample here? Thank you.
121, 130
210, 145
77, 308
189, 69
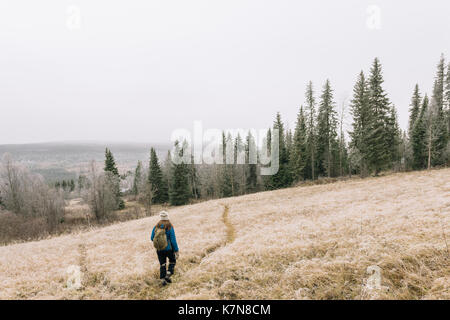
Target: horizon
85, 142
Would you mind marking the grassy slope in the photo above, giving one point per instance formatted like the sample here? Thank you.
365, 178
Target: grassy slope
299, 243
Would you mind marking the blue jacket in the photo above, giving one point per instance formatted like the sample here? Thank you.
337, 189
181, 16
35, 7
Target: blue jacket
171, 239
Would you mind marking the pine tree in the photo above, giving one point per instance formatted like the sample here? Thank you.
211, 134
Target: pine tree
155, 178
327, 136
179, 182
440, 123
419, 138
359, 108
379, 154
137, 179
310, 170
297, 157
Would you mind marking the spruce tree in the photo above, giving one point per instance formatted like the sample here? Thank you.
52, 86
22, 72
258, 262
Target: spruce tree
194, 179
137, 179
415, 108
428, 112
393, 137
110, 163
155, 178
297, 157
179, 182
282, 178
327, 145
251, 166
419, 138
439, 122
239, 168
112, 174
414, 113
359, 108
343, 155
447, 97
288, 140
405, 152
379, 154
267, 142
231, 167
167, 170
81, 182
310, 170
227, 181
224, 148
226, 186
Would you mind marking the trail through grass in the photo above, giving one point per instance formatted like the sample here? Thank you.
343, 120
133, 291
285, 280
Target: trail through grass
231, 234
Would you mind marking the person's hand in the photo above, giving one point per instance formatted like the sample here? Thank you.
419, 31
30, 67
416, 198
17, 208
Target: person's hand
177, 254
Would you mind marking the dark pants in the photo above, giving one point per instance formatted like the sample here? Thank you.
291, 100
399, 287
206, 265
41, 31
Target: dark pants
162, 257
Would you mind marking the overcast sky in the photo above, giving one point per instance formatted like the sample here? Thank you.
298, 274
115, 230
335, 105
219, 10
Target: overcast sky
136, 70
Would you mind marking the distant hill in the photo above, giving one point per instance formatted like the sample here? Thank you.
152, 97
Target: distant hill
63, 160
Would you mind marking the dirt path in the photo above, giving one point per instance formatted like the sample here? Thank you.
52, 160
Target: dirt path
231, 234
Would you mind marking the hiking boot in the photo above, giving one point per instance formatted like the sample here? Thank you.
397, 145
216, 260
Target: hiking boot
163, 282
168, 280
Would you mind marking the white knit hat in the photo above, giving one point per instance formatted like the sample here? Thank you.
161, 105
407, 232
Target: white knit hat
164, 215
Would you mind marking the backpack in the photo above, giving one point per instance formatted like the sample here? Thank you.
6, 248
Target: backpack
160, 239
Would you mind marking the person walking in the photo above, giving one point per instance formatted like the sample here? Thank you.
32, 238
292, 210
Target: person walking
165, 243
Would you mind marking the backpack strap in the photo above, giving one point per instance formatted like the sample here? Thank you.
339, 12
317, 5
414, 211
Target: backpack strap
169, 241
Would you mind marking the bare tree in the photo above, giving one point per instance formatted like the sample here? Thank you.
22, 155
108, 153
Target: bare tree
147, 196
11, 185
341, 137
28, 195
101, 194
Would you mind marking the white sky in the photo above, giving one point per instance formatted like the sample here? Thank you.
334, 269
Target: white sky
137, 70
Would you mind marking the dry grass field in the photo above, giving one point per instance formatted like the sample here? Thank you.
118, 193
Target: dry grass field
313, 242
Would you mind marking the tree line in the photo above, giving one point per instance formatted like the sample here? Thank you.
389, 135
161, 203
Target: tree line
318, 147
